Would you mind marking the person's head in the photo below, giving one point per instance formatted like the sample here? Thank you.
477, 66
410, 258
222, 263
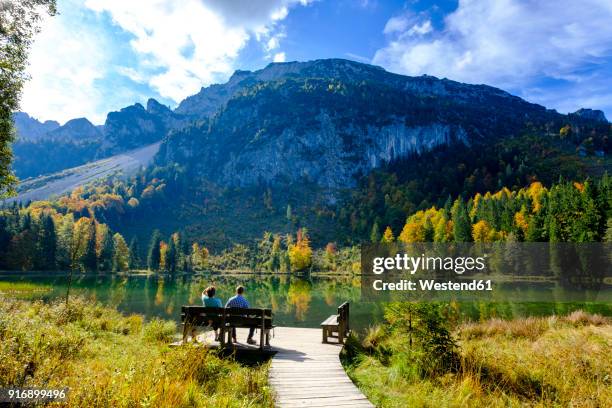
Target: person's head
210, 291
239, 290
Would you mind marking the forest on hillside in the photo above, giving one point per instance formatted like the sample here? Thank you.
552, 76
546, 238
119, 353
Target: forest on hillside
73, 232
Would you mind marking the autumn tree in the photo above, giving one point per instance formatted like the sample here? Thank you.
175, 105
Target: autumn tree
387, 237
121, 253
64, 241
300, 253
199, 257
104, 247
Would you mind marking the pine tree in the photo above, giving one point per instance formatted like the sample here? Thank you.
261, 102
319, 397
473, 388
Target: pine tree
5, 239
135, 261
275, 256
106, 247
375, 234
89, 259
462, 229
180, 255
429, 230
154, 257
48, 243
171, 256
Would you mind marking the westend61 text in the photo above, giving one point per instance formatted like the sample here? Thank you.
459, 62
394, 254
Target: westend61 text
432, 285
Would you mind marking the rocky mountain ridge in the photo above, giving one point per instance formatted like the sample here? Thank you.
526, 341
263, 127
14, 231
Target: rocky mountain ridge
329, 121
322, 120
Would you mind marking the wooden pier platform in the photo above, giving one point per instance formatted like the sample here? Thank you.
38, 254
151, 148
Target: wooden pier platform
304, 372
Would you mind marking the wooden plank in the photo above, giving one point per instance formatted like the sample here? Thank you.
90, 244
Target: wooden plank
307, 373
330, 321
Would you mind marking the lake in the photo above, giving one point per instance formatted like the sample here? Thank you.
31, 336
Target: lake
296, 301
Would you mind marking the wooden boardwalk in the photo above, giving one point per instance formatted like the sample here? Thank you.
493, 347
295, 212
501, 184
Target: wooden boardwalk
304, 371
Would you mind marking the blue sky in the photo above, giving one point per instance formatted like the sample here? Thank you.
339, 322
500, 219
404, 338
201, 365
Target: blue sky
101, 55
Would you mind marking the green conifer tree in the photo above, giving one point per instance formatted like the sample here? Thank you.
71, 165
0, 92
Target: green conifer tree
153, 258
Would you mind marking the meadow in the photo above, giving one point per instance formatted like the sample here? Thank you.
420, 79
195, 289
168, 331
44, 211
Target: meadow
554, 361
107, 359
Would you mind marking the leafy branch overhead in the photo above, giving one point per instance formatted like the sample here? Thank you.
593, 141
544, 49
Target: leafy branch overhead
19, 22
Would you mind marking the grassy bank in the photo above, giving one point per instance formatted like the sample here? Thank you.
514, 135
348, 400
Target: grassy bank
541, 362
108, 359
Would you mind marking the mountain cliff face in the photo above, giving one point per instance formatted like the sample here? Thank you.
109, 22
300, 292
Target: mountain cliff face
328, 121
135, 126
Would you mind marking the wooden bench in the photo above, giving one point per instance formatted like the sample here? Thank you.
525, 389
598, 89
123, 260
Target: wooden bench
226, 319
338, 323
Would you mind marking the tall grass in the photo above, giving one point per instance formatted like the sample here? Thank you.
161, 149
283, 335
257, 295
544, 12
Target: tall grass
536, 362
107, 359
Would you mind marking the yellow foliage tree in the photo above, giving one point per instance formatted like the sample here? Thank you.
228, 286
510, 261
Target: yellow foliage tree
300, 253
199, 256
521, 220
121, 255
387, 236
535, 191
412, 232
481, 231
163, 252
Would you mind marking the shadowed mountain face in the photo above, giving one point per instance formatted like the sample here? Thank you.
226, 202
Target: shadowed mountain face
76, 130
29, 128
328, 121
44, 148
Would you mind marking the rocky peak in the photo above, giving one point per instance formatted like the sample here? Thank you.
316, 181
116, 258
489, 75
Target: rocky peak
591, 114
78, 129
29, 128
156, 108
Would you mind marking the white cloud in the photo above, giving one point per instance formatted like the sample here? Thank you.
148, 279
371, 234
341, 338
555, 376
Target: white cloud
65, 63
507, 43
279, 57
190, 43
78, 66
397, 24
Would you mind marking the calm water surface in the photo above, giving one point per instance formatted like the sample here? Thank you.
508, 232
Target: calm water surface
295, 301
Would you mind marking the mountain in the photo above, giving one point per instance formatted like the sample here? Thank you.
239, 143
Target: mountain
29, 128
591, 115
76, 130
328, 121
135, 126
333, 145
78, 141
